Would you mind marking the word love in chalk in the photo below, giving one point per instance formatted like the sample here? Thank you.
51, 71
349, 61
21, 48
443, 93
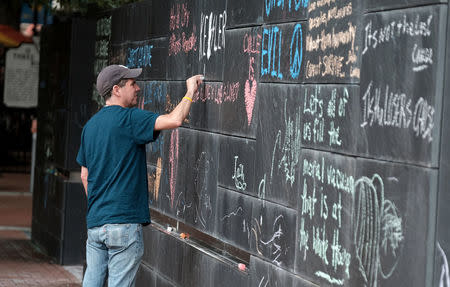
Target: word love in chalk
272, 51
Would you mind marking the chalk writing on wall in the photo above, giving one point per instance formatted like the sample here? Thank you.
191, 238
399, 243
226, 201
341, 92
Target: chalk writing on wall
140, 56
238, 175
153, 95
217, 94
417, 29
322, 115
291, 5
320, 212
279, 41
400, 103
331, 44
101, 48
180, 22
271, 51
103, 36
212, 34
324, 218
384, 107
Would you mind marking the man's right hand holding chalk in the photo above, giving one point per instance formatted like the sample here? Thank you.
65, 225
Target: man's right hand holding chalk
175, 118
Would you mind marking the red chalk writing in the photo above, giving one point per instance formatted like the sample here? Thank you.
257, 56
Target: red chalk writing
219, 93
181, 38
179, 16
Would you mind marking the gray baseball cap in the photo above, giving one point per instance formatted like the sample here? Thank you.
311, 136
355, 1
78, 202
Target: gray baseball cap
111, 75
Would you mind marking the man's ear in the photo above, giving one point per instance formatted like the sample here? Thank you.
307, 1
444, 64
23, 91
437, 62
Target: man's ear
115, 90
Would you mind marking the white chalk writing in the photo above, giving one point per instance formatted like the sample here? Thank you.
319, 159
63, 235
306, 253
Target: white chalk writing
212, 34
394, 109
238, 175
396, 28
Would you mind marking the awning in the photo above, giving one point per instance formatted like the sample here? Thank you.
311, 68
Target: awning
12, 38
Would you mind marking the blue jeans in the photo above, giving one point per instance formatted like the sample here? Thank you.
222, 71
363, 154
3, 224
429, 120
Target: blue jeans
117, 248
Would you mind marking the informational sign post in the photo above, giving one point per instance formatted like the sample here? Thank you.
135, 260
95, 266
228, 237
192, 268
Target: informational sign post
21, 77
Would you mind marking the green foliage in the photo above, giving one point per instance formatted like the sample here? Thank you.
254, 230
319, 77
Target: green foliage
81, 6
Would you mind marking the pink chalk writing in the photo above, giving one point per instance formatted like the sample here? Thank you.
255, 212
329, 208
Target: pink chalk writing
218, 94
252, 44
177, 43
173, 164
174, 45
189, 43
179, 21
230, 92
179, 16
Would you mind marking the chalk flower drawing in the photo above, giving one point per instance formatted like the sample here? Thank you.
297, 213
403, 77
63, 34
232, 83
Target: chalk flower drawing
378, 230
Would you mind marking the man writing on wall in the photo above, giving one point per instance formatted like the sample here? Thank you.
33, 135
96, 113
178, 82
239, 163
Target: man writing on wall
114, 174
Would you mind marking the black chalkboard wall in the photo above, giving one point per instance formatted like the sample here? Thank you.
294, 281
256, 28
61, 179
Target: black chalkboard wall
317, 147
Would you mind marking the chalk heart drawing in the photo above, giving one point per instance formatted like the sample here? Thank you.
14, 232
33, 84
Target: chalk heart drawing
378, 230
250, 97
444, 278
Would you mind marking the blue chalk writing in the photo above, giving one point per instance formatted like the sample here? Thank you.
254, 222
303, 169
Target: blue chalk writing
296, 46
299, 4
271, 52
154, 93
140, 56
264, 52
272, 4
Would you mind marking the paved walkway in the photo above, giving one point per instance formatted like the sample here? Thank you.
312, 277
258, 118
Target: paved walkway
21, 264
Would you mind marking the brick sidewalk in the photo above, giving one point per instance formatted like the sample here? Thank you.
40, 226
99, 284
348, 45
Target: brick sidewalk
21, 264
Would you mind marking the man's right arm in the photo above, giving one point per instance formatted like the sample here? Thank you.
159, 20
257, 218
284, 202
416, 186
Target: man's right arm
175, 118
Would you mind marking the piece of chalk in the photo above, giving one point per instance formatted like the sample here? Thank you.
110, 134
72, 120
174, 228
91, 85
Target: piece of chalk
241, 266
202, 78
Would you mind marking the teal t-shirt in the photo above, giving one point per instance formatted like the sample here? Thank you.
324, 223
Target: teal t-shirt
113, 150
